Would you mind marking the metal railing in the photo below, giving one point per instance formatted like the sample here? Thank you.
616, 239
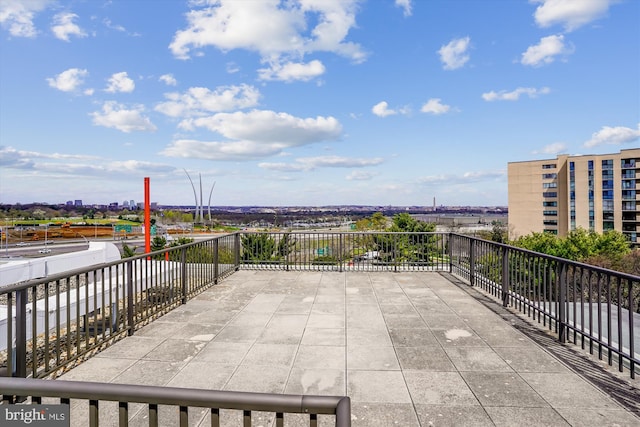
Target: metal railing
182, 399
344, 251
49, 323
593, 307
53, 322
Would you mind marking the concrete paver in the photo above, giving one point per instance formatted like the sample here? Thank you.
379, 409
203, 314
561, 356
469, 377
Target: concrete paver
410, 349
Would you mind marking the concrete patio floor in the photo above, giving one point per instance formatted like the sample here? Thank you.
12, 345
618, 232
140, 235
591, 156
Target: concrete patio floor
410, 349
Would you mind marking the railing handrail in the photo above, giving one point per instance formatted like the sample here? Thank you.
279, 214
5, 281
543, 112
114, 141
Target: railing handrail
339, 406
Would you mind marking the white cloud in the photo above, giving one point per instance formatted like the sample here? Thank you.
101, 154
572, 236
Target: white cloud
107, 22
291, 71
120, 82
465, 178
118, 116
168, 79
68, 80
304, 164
76, 164
454, 54
515, 94
555, 148
545, 51
17, 16
613, 136
63, 26
280, 32
360, 176
270, 127
253, 135
434, 106
405, 5
571, 14
198, 101
381, 109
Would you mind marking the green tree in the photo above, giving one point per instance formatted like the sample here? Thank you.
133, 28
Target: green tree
158, 243
257, 247
128, 251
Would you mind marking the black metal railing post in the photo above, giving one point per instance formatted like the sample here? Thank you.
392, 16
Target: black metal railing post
183, 275
505, 276
562, 301
21, 334
340, 257
472, 262
236, 251
216, 260
130, 298
450, 251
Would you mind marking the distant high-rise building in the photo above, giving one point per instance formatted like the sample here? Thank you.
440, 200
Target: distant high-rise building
125, 204
113, 205
77, 202
132, 204
595, 192
69, 203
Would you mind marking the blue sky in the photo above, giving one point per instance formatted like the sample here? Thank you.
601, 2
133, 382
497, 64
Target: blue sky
307, 102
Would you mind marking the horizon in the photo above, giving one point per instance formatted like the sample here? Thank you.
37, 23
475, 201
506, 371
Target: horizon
339, 104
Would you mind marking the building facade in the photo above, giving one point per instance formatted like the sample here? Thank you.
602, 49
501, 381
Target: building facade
595, 192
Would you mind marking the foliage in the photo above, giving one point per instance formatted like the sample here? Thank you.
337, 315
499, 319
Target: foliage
128, 251
579, 245
414, 247
158, 243
376, 222
257, 247
325, 260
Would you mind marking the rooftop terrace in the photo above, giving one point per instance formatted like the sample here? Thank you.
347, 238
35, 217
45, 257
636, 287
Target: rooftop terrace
409, 349
435, 329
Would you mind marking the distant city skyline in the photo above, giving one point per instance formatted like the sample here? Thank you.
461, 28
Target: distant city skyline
294, 103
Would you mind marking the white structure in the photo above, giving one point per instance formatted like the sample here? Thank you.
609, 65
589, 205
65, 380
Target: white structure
15, 271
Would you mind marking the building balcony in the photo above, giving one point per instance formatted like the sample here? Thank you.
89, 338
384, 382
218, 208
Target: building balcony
414, 329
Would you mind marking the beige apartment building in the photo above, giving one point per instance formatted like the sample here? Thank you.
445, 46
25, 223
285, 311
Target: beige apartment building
595, 192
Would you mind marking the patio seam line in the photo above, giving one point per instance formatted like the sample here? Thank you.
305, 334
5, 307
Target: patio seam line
623, 392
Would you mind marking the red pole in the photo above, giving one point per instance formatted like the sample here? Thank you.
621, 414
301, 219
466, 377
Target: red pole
147, 217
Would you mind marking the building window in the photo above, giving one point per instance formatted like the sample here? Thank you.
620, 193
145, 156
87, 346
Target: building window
549, 185
607, 225
550, 222
590, 165
550, 213
607, 194
550, 194
607, 205
607, 184
628, 163
549, 175
629, 195
551, 231
549, 204
607, 216
607, 164
549, 166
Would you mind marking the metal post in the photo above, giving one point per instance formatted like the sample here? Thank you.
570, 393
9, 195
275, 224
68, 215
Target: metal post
236, 250
472, 262
183, 274
340, 258
450, 251
130, 298
562, 310
216, 260
21, 334
505, 276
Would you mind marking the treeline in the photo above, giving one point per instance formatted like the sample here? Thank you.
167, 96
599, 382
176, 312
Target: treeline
611, 249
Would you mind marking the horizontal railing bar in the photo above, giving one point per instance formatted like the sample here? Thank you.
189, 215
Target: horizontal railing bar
171, 396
